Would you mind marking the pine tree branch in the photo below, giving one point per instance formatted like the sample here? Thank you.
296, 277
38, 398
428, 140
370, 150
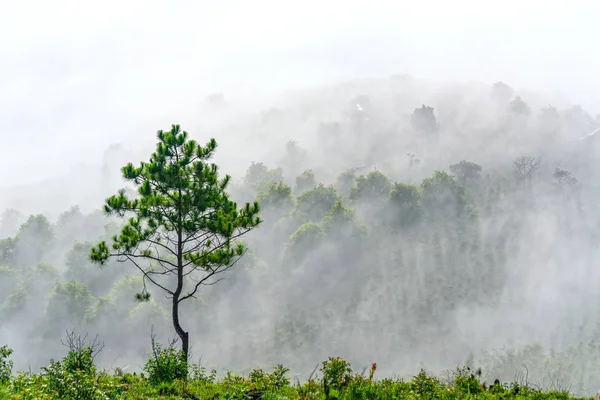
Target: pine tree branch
149, 257
207, 277
156, 243
196, 236
141, 270
201, 241
219, 246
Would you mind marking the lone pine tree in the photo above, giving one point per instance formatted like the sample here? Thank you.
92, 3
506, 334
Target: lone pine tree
182, 228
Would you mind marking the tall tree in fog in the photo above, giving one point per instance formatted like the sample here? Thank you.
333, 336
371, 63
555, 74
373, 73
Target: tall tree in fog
33, 241
183, 226
423, 120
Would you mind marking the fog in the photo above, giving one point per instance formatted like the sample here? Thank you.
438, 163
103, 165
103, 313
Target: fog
457, 266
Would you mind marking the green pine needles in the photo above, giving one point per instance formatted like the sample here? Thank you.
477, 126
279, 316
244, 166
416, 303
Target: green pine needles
182, 229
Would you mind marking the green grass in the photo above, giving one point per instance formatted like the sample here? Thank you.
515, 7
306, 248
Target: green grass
168, 376
336, 378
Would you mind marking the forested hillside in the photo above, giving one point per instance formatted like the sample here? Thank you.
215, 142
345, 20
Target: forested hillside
404, 223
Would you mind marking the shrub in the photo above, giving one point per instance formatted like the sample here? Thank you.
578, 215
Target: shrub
81, 355
199, 374
468, 384
64, 382
277, 378
337, 373
424, 385
263, 381
166, 364
5, 364
80, 360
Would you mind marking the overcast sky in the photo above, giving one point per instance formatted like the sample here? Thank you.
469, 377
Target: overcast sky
78, 75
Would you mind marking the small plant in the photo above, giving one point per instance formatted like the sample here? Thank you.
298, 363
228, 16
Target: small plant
5, 364
278, 379
80, 360
372, 371
468, 384
166, 364
425, 385
258, 378
337, 374
73, 377
81, 355
70, 384
200, 374
263, 381
167, 389
497, 388
311, 388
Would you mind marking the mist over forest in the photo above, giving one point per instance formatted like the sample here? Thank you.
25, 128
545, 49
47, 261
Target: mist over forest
405, 221
426, 175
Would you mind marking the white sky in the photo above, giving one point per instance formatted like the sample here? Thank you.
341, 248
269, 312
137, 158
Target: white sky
78, 75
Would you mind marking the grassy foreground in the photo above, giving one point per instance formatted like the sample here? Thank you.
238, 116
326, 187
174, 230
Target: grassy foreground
167, 376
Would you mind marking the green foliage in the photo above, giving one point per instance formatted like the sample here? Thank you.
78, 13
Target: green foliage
339, 223
7, 251
337, 374
148, 311
467, 383
70, 226
73, 377
80, 360
7, 281
442, 196
405, 201
425, 386
309, 234
199, 373
276, 380
259, 176
277, 197
466, 172
81, 269
405, 195
180, 193
78, 259
122, 290
81, 354
345, 182
59, 381
6, 364
370, 187
166, 365
33, 241
315, 203
305, 181
69, 299
45, 271
6, 272
17, 299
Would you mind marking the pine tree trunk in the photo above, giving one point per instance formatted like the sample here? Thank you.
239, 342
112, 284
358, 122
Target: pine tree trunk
183, 335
